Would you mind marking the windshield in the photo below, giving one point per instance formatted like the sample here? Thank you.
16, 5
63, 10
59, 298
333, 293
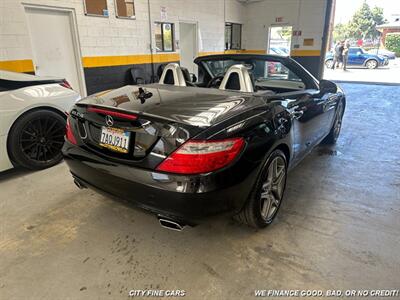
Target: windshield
263, 72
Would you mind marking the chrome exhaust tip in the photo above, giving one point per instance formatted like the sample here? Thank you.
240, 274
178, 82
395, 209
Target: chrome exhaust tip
79, 184
170, 224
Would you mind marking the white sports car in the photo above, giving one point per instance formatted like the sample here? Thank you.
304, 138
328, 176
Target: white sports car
33, 114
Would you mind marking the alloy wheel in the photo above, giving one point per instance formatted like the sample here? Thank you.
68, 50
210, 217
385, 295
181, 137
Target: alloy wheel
371, 64
272, 188
338, 121
329, 64
42, 138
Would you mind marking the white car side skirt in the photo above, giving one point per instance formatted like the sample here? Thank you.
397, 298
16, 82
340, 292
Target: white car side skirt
5, 162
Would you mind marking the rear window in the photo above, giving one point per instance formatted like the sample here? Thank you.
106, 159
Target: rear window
9, 85
3, 88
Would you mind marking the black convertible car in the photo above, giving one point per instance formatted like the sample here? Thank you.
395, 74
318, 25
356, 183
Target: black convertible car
187, 150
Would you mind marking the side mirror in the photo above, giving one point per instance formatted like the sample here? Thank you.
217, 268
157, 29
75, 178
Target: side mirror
326, 86
359, 53
193, 77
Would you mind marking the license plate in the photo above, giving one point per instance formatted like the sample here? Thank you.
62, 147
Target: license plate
115, 139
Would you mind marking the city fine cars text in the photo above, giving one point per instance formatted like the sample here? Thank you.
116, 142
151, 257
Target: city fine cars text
157, 293
327, 293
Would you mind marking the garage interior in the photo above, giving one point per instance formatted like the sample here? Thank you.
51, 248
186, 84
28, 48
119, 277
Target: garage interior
340, 218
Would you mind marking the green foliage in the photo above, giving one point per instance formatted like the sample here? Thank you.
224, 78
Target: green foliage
362, 25
285, 33
340, 32
392, 42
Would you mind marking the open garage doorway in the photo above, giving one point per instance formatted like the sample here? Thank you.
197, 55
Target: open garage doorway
279, 40
363, 43
188, 45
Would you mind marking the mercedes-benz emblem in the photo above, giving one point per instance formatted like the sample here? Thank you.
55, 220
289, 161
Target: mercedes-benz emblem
109, 121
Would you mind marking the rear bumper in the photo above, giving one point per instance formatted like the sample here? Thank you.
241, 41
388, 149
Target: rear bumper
188, 199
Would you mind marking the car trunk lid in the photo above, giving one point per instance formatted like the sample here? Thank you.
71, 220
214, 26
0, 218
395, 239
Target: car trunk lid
150, 121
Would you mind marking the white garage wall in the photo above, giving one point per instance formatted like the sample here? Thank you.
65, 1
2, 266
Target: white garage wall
112, 36
14, 38
208, 14
305, 15
112, 42
235, 12
97, 35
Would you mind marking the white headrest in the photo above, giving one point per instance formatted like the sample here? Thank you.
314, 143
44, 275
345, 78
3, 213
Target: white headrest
242, 72
172, 74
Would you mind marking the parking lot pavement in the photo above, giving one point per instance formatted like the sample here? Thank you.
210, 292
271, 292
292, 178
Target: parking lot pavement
388, 74
338, 228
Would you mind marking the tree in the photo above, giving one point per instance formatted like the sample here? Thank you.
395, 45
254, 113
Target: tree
362, 25
285, 33
364, 21
392, 42
340, 32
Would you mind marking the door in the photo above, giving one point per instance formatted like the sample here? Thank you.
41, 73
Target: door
356, 57
53, 45
312, 116
310, 111
188, 46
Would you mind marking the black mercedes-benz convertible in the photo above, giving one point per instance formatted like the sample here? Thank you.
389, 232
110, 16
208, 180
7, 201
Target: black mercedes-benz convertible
187, 150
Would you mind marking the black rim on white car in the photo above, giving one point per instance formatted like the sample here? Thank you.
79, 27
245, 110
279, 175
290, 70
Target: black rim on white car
42, 138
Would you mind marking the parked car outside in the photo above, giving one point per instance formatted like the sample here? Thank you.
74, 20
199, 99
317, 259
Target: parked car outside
383, 52
359, 57
285, 50
278, 51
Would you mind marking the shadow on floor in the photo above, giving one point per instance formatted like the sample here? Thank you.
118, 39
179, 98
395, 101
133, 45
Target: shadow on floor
14, 173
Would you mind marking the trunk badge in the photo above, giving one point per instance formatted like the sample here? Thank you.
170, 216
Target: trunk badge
109, 121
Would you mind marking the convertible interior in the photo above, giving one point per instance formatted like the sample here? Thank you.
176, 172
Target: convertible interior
251, 76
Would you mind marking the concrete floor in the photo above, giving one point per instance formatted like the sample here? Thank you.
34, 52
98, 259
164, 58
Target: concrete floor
338, 228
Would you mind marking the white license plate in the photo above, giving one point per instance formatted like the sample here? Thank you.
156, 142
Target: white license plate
115, 139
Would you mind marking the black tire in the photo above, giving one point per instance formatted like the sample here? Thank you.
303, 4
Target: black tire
252, 212
334, 133
371, 64
36, 138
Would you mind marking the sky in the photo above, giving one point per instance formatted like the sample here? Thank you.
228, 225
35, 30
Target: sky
346, 8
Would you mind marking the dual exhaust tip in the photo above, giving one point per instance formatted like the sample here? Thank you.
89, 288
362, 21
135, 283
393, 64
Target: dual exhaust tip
170, 224
164, 221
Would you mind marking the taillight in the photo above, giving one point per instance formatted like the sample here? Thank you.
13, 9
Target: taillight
66, 84
69, 134
195, 157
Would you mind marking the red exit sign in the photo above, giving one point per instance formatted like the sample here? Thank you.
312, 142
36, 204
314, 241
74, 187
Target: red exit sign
278, 19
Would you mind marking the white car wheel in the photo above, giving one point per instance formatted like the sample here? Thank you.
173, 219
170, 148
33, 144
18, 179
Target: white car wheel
371, 64
329, 63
